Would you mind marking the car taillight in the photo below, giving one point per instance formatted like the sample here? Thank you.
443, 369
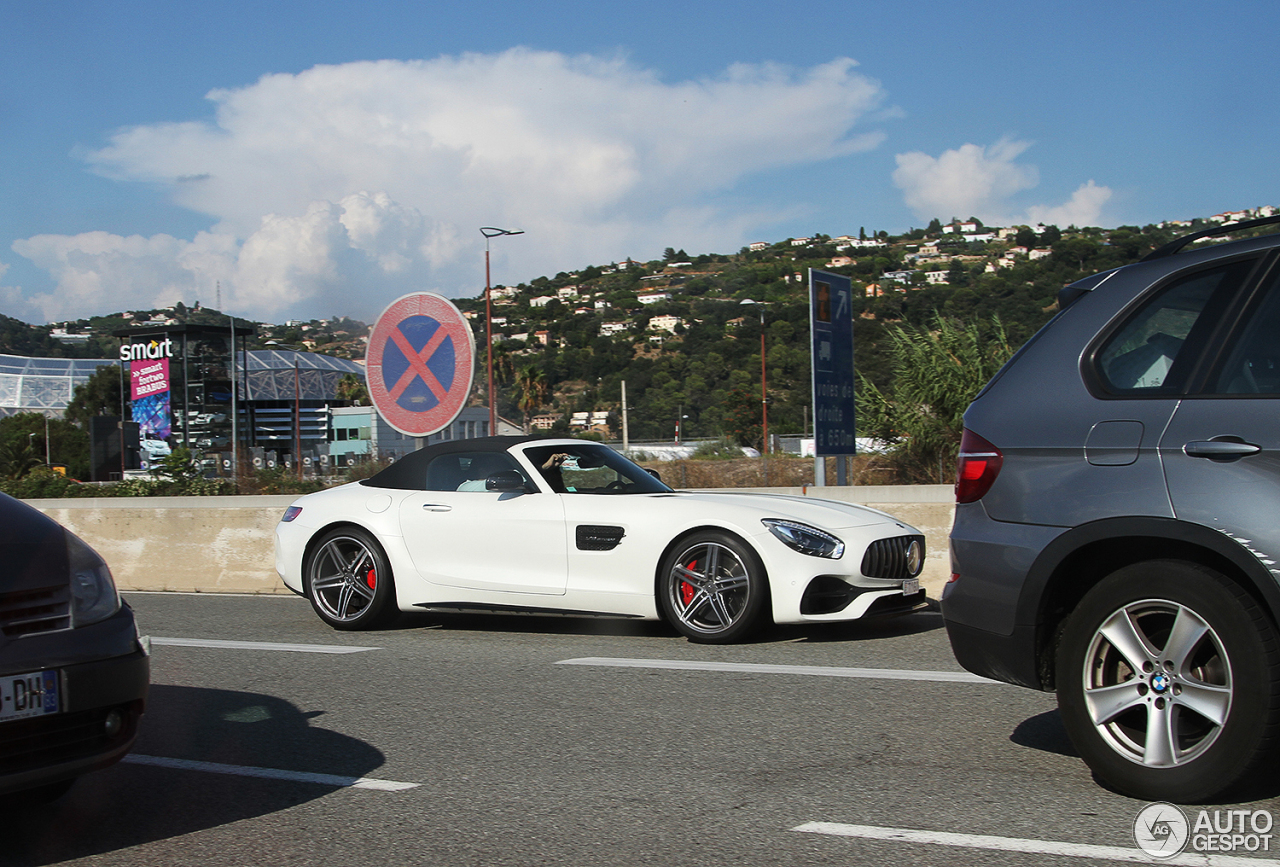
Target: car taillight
977, 467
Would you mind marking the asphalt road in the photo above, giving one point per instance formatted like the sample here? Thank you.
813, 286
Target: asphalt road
529, 741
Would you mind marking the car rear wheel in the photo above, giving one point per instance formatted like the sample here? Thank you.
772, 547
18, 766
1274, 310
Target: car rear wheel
713, 589
348, 580
1167, 682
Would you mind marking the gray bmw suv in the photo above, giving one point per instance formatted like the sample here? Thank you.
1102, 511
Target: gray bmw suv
1117, 530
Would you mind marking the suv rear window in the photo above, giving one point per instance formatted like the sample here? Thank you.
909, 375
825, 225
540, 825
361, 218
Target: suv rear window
1155, 350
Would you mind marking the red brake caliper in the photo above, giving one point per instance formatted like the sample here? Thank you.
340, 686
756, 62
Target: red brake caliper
372, 579
687, 590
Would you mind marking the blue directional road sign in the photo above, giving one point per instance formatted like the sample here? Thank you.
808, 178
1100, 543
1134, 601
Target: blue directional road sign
831, 327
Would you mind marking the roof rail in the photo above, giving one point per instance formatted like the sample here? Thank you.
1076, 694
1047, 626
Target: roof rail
1226, 228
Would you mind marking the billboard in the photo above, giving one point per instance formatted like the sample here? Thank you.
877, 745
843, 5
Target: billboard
149, 393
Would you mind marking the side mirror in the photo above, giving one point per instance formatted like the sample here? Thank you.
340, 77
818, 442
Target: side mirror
654, 473
507, 480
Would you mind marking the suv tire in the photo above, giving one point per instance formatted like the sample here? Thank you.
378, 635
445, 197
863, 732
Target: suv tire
1167, 682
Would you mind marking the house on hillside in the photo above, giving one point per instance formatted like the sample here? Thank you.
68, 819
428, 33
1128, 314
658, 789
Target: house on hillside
666, 322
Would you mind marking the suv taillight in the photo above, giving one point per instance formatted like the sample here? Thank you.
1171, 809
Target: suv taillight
977, 467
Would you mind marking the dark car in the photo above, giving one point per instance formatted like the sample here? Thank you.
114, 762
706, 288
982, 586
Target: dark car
1117, 530
73, 671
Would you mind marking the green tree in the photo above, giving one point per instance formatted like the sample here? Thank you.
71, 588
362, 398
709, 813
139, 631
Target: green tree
743, 417
67, 444
531, 391
100, 394
352, 388
937, 373
182, 465
17, 458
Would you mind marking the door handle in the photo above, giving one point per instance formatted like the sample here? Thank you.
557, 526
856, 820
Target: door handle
436, 507
1220, 449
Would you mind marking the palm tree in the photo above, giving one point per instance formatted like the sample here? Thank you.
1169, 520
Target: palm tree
17, 458
531, 388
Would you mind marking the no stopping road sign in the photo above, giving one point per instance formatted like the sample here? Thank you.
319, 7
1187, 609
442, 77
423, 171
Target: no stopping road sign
419, 363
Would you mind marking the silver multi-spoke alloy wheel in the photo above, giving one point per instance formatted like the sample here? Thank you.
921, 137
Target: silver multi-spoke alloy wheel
713, 588
1168, 681
347, 580
1157, 683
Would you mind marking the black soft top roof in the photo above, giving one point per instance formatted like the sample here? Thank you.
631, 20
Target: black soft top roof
408, 472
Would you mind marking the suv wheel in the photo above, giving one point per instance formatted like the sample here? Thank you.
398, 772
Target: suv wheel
1167, 682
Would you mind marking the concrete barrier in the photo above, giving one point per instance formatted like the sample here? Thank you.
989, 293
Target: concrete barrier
225, 544
198, 544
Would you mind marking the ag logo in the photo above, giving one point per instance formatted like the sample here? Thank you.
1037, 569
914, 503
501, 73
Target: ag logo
1161, 830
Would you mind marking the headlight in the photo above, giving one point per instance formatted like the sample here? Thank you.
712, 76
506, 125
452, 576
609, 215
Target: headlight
93, 593
805, 539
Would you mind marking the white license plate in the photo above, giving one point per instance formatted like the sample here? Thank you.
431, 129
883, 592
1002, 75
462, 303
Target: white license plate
27, 695
910, 586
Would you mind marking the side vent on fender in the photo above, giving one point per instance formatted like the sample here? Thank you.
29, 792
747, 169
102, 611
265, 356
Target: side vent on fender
593, 537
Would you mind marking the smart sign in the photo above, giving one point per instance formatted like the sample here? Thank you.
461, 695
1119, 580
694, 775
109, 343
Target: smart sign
419, 363
831, 327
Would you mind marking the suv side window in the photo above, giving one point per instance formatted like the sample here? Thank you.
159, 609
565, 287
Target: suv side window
1154, 351
1253, 367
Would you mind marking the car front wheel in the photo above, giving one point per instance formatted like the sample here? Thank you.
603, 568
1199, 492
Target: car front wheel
713, 589
348, 580
1167, 682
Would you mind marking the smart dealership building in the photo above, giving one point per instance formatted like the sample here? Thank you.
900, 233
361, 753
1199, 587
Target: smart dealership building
196, 385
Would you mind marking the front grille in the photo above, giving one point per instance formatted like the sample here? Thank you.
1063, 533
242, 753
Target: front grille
26, 612
887, 558
64, 737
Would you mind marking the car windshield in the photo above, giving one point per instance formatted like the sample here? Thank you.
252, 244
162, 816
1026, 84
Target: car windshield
592, 469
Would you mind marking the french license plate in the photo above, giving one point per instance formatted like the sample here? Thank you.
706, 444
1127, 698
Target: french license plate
28, 695
910, 586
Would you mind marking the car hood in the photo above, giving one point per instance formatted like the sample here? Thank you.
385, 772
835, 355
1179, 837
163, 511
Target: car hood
825, 514
33, 548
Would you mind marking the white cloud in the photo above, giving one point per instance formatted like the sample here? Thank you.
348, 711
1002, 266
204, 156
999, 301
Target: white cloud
357, 182
99, 271
976, 181
1083, 209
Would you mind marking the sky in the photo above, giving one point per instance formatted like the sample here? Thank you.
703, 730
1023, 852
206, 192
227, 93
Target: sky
302, 160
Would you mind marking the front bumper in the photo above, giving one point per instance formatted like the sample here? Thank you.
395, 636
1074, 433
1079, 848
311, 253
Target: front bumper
102, 704
830, 597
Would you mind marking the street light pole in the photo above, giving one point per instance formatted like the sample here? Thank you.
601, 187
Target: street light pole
764, 393
491, 232
297, 418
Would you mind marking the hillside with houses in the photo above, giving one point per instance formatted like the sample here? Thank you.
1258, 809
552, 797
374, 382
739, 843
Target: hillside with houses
676, 332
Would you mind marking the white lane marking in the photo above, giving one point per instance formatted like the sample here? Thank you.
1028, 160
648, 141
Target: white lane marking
258, 645
282, 595
270, 773
1035, 847
754, 668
